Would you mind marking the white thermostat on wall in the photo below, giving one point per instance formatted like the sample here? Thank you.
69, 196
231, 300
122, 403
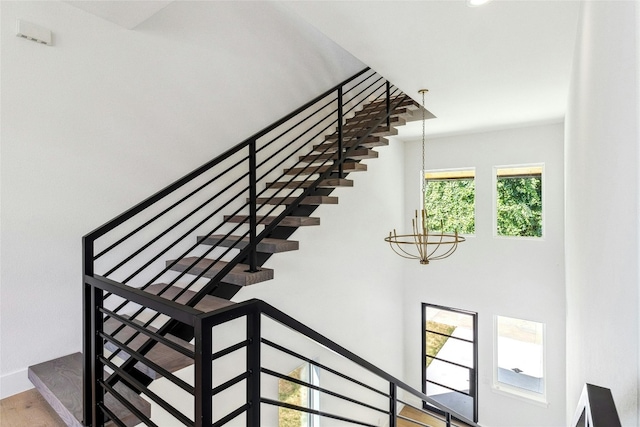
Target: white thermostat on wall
33, 32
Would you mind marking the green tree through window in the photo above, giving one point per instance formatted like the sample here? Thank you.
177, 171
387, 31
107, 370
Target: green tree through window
450, 201
519, 201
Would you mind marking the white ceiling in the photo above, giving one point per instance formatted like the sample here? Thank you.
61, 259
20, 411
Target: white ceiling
504, 64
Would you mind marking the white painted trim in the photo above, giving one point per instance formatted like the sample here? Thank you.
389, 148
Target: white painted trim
14, 383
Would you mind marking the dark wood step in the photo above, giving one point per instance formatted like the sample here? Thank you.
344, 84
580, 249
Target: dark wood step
239, 274
327, 183
347, 167
266, 245
206, 304
355, 131
287, 221
367, 120
307, 201
368, 142
357, 154
407, 103
60, 383
381, 111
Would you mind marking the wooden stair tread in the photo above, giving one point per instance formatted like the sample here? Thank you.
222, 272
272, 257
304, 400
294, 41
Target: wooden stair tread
206, 304
327, 183
350, 140
403, 112
287, 221
382, 130
60, 383
360, 121
310, 170
357, 154
309, 200
239, 274
266, 245
408, 103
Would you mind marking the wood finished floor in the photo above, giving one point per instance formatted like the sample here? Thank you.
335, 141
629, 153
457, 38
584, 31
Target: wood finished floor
28, 409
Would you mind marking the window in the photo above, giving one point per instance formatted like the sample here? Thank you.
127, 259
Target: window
449, 371
299, 395
450, 200
519, 201
520, 357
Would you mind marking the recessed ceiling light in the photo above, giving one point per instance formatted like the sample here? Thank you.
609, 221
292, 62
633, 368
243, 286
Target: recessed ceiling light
474, 3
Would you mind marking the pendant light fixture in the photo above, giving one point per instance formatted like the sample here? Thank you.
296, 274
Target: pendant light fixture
424, 244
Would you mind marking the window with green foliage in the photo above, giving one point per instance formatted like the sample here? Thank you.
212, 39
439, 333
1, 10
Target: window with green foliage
519, 201
297, 394
450, 200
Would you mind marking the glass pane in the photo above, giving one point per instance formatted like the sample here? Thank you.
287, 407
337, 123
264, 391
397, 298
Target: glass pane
450, 349
520, 353
294, 394
449, 375
519, 202
450, 202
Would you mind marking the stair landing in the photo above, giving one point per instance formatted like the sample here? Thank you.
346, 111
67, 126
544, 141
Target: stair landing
60, 383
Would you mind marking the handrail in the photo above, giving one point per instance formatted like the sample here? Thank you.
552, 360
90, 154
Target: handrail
110, 225
596, 408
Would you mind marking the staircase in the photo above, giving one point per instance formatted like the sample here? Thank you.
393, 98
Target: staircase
162, 274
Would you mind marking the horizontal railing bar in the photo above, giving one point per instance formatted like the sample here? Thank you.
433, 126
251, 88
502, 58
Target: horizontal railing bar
314, 412
159, 338
449, 388
112, 417
230, 383
448, 361
229, 350
291, 323
150, 394
142, 359
320, 389
142, 417
321, 366
196, 172
187, 233
172, 309
449, 336
267, 144
231, 415
159, 215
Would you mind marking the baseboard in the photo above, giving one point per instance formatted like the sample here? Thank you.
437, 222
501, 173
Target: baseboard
14, 383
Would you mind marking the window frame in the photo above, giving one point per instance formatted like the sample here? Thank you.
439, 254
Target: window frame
542, 198
473, 384
473, 169
511, 390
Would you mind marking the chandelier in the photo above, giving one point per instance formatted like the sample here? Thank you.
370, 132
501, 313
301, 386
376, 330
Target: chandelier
424, 244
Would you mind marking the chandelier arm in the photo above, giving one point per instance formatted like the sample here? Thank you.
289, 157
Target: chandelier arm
408, 256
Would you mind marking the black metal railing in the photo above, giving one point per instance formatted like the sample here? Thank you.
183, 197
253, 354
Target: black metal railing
241, 357
596, 408
149, 253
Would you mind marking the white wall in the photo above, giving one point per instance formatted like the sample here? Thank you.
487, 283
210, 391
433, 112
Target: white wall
107, 116
602, 188
495, 276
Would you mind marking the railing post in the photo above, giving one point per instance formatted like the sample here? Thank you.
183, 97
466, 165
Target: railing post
253, 367
253, 208
97, 348
203, 373
340, 134
388, 104
87, 334
448, 417
393, 404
